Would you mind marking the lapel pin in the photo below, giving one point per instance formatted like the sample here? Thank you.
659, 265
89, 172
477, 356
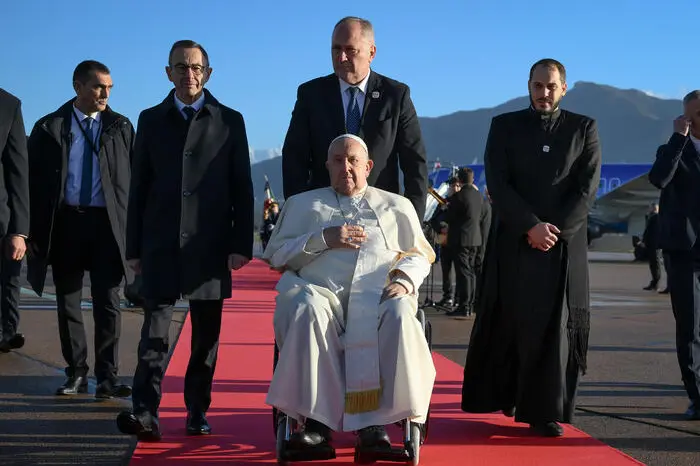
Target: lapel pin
545, 148
375, 94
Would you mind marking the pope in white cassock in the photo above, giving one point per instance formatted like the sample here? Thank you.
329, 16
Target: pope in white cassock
353, 355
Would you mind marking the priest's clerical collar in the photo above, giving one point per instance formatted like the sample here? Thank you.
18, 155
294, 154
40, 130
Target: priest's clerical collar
553, 115
548, 120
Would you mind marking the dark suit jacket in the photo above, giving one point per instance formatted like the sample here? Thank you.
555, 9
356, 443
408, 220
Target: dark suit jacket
676, 172
389, 127
464, 218
191, 200
49, 148
14, 170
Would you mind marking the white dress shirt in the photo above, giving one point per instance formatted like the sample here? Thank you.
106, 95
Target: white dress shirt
360, 96
696, 143
75, 160
196, 105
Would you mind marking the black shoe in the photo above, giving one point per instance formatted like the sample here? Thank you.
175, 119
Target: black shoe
461, 311
107, 389
144, 426
665, 291
693, 412
651, 287
16, 341
197, 424
73, 386
312, 435
548, 429
445, 302
509, 412
373, 437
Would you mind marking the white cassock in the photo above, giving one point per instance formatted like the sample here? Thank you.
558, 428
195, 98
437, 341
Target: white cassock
346, 360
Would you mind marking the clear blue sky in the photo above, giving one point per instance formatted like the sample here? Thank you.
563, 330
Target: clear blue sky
455, 55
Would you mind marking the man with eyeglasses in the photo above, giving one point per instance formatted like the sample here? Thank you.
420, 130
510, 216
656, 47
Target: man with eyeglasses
79, 172
190, 222
357, 100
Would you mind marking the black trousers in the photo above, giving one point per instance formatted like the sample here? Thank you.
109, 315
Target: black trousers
655, 266
83, 240
446, 263
10, 271
154, 349
465, 275
666, 265
684, 285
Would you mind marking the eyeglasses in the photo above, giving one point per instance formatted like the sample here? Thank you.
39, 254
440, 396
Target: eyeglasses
181, 68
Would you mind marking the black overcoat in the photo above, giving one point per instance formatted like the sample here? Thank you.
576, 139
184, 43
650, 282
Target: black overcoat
49, 147
191, 200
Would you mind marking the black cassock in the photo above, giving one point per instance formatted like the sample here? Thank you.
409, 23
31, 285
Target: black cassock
530, 338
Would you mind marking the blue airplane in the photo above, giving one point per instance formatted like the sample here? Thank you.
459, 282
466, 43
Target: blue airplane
623, 189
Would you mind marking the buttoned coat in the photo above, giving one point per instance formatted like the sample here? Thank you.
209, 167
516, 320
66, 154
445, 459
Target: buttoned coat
191, 200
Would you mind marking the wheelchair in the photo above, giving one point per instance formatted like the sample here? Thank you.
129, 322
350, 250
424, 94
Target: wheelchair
414, 434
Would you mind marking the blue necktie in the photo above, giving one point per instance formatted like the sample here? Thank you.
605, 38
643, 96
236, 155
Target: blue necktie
86, 179
190, 112
353, 117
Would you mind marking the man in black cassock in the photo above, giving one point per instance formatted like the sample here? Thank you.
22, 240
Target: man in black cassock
530, 337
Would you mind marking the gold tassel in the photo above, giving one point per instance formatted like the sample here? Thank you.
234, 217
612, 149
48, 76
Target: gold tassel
362, 402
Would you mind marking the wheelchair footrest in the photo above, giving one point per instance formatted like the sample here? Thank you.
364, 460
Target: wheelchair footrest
393, 454
320, 453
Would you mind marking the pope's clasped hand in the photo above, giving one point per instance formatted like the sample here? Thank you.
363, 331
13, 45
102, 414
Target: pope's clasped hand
346, 236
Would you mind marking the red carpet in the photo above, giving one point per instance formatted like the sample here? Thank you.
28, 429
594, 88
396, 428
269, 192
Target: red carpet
242, 423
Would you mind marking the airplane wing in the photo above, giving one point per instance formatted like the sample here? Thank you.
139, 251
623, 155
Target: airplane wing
631, 197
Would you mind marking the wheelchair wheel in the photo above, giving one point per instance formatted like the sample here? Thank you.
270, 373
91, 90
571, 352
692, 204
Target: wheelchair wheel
286, 427
428, 331
275, 413
281, 442
416, 441
429, 334
424, 427
420, 315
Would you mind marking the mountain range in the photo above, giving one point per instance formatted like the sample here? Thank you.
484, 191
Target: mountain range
631, 125
260, 155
